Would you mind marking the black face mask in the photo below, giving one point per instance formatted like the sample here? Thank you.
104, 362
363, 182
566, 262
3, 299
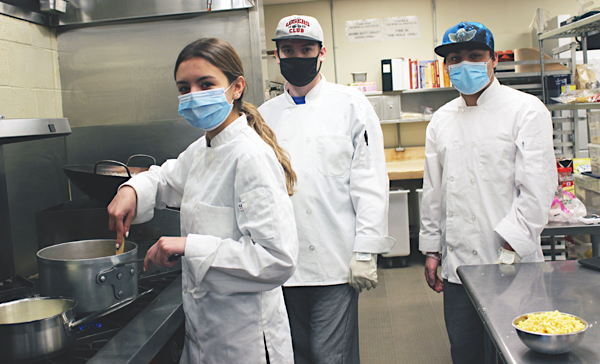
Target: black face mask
299, 71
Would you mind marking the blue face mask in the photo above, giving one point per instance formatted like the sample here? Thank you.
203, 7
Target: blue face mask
205, 109
469, 77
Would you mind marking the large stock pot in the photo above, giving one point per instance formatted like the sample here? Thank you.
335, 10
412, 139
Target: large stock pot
89, 272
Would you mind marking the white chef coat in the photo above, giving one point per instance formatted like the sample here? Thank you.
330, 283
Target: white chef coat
490, 177
241, 244
341, 203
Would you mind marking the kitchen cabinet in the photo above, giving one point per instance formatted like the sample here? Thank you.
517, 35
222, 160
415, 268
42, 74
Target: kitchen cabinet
407, 106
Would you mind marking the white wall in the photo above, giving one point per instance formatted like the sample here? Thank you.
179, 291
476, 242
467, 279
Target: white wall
507, 19
29, 76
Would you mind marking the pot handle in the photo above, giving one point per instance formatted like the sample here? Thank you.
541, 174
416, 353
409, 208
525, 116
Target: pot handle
140, 155
107, 161
117, 276
105, 311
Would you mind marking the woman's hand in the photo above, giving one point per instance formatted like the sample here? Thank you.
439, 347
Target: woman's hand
121, 212
160, 252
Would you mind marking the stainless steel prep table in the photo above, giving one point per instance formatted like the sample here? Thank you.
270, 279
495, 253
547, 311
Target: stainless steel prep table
502, 292
553, 229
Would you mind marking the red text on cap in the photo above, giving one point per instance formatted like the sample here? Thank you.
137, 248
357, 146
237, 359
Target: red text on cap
297, 21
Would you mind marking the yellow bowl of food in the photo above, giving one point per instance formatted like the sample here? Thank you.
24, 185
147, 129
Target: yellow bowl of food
550, 332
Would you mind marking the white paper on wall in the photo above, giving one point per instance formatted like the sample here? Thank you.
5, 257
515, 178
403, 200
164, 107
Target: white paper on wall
405, 27
370, 30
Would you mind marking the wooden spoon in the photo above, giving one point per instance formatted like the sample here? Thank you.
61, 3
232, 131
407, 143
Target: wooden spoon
121, 248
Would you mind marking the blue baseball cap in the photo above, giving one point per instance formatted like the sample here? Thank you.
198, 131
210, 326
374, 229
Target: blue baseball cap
466, 35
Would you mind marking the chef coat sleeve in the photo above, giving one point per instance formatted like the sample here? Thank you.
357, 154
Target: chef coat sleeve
430, 235
265, 256
369, 183
536, 180
161, 186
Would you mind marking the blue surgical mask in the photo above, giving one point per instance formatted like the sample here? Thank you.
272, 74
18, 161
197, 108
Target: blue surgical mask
205, 109
469, 77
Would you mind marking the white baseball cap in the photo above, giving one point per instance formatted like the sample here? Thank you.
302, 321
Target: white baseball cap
299, 27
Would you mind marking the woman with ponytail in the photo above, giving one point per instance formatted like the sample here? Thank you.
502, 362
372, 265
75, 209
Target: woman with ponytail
239, 242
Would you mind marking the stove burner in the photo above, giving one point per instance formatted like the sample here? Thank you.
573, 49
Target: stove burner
16, 287
93, 336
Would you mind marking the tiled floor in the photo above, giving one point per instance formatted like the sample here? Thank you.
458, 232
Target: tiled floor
402, 320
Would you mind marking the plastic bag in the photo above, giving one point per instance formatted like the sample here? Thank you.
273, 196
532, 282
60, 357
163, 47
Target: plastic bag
585, 76
573, 96
566, 207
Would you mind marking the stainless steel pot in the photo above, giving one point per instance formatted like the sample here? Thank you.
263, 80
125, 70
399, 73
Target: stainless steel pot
89, 272
32, 329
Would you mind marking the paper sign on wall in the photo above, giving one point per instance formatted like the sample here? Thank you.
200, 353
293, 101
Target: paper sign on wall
406, 27
369, 30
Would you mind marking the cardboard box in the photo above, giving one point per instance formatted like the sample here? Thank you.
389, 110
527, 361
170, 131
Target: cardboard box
594, 126
594, 150
587, 182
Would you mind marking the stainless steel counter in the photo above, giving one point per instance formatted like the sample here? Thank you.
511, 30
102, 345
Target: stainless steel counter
500, 293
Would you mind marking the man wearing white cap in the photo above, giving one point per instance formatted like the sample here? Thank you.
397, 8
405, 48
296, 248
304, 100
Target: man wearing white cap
341, 204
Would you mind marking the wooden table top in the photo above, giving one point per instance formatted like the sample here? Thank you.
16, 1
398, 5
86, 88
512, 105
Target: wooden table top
408, 164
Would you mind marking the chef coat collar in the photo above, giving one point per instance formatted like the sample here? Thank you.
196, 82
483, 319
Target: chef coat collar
486, 95
310, 96
229, 132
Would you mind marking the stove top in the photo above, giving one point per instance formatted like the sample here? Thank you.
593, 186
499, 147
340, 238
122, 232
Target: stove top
94, 336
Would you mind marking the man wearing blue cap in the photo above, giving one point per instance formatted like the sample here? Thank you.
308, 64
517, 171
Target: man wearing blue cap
489, 180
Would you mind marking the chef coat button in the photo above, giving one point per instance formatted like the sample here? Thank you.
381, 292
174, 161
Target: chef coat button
308, 211
483, 111
198, 155
195, 203
451, 248
462, 110
287, 111
305, 175
308, 140
211, 156
311, 247
472, 181
474, 252
184, 199
451, 179
450, 214
473, 217
312, 108
456, 143
473, 144
284, 142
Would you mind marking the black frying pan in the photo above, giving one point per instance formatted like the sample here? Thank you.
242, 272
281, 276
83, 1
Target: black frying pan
100, 181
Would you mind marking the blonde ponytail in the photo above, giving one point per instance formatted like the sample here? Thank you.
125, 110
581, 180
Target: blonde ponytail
257, 123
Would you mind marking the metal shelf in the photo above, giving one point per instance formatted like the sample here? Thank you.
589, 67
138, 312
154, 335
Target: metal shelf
19, 130
574, 106
418, 90
511, 64
508, 75
575, 29
402, 121
411, 91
